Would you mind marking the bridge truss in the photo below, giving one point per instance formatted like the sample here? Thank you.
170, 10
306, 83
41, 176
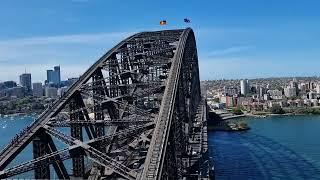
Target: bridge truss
136, 113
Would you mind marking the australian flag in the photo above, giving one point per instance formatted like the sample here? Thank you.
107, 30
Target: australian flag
186, 20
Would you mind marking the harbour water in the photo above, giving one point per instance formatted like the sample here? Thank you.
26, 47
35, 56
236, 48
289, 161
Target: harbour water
275, 148
9, 128
283, 147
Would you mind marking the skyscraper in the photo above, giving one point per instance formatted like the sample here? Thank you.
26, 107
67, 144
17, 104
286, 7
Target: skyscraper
37, 89
53, 76
244, 87
25, 81
51, 92
49, 75
294, 84
7, 84
290, 92
318, 88
57, 74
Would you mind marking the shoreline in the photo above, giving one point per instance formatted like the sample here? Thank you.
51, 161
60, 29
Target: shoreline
285, 114
267, 115
17, 115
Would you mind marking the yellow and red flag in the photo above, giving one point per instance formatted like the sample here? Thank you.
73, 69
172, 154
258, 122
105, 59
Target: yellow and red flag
163, 22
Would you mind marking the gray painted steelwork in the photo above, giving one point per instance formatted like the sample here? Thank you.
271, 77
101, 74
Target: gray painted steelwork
137, 113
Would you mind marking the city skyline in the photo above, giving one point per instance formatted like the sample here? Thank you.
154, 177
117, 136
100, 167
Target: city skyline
51, 76
96, 89
241, 39
45, 77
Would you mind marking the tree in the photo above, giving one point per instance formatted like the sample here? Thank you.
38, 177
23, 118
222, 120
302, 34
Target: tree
216, 100
2, 109
277, 109
237, 111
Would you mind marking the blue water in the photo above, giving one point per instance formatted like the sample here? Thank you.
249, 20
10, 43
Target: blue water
9, 127
275, 148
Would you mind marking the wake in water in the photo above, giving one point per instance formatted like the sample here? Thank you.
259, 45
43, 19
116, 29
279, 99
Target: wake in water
252, 156
3, 124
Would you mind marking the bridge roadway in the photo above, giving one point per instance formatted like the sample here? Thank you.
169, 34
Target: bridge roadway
146, 93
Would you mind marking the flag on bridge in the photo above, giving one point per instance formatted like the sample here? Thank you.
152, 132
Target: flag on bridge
163, 22
186, 20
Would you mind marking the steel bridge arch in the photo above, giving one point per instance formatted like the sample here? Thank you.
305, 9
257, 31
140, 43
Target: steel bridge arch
136, 113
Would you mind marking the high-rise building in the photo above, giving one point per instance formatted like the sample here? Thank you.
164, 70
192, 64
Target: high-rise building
290, 92
294, 84
53, 76
57, 74
275, 94
49, 75
25, 81
37, 89
10, 84
312, 95
17, 92
302, 88
51, 92
318, 88
243, 87
70, 81
262, 91
7, 84
230, 90
266, 97
62, 91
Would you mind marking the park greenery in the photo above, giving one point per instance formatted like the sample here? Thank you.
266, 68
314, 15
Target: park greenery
277, 109
216, 100
303, 110
23, 105
237, 111
312, 111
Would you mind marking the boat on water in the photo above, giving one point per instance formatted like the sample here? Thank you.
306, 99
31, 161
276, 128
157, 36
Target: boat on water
241, 126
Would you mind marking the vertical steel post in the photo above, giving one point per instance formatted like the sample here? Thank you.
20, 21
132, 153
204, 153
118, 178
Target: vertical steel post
98, 84
42, 168
76, 132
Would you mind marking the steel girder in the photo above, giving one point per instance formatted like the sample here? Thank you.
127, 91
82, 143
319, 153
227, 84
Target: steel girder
128, 114
168, 148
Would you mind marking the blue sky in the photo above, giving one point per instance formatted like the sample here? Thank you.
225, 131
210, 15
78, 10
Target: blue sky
235, 38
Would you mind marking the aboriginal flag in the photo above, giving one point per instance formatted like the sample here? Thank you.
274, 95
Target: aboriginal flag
163, 22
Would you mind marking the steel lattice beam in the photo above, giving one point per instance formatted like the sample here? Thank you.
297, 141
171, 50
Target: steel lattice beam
135, 105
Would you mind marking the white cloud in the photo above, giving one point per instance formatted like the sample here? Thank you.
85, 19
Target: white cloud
74, 53
80, 1
248, 67
38, 71
218, 68
230, 50
65, 39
